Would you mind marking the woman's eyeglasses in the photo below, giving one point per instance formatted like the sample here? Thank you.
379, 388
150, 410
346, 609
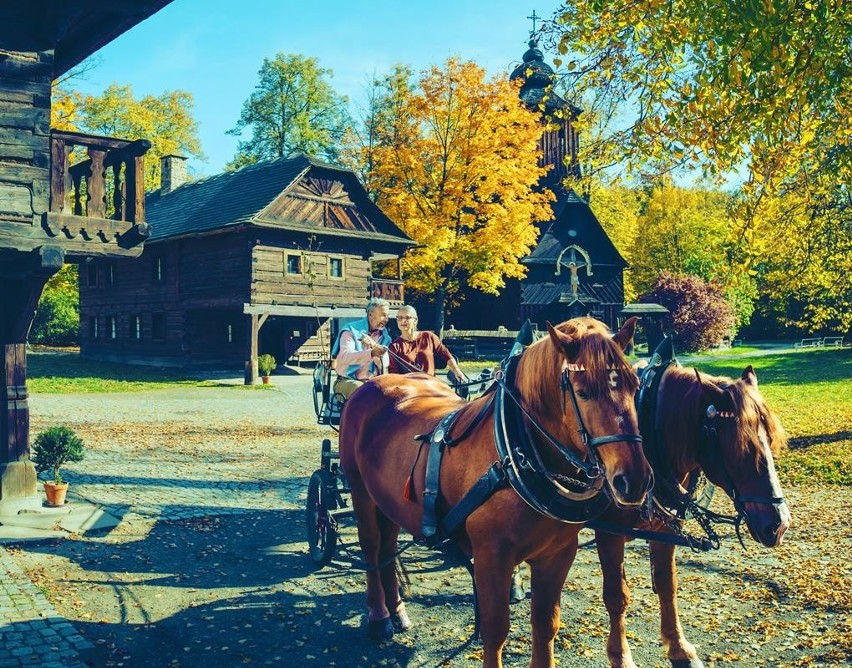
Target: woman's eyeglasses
405, 317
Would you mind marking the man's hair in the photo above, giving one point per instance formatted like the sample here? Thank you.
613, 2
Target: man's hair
377, 302
407, 309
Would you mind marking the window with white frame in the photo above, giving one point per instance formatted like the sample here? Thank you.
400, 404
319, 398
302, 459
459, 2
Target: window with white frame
335, 267
293, 263
136, 327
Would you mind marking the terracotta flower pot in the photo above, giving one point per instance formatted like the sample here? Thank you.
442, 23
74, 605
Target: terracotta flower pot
265, 380
55, 493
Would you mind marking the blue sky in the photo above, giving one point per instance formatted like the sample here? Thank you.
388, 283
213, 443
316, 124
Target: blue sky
214, 48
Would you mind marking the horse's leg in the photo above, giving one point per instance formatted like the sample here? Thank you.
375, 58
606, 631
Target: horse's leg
370, 537
616, 596
390, 582
492, 572
679, 651
547, 576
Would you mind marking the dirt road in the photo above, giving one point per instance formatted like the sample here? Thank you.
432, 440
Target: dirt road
208, 566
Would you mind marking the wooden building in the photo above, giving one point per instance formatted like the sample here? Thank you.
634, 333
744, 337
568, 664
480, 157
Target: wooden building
574, 269
264, 259
45, 217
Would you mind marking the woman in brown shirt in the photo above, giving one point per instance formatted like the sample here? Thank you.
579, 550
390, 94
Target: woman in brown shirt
413, 350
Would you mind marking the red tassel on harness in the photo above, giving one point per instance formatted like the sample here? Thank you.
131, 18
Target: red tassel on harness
406, 490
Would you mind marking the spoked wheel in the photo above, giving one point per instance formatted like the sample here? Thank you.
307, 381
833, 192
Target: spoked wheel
320, 525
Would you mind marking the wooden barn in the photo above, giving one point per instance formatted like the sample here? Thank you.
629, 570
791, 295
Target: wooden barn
575, 269
46, 219
264, 259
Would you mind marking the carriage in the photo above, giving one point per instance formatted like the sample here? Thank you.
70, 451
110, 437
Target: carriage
327, 503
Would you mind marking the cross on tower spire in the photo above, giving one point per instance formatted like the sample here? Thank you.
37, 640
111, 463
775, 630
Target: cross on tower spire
534, 18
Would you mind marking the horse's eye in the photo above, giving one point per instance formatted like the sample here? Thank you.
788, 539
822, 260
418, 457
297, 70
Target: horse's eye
583, 395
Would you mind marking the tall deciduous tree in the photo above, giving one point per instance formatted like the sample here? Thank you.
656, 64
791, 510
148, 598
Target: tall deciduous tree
763, 89
293, 109
455, 164
166, 121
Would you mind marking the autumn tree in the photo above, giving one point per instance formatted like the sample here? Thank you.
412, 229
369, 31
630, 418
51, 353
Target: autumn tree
617, 208
699, 318
762, 90
454, 163
293, 109
57, 319
166, 121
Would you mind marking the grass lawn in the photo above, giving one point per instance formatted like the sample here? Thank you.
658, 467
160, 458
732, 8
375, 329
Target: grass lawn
66, 373
812, 394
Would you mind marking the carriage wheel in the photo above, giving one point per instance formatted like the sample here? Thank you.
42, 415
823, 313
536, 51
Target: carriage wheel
321, 529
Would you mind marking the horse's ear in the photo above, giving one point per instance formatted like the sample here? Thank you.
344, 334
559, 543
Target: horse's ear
750, 376
565, 342
624, 336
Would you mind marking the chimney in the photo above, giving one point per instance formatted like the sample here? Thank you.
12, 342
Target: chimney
172, 173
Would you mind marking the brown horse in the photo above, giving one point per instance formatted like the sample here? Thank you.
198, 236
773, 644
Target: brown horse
724, 429
579, 448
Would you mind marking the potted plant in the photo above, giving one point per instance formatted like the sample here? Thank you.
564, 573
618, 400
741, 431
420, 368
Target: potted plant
265, 365
51, 449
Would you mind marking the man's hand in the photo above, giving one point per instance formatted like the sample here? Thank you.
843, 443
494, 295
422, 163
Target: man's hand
369, 342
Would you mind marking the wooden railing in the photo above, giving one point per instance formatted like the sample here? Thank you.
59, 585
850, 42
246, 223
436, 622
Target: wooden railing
103, 194
388, 288
114, 165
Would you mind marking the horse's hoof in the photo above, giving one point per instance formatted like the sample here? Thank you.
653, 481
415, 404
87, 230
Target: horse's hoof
381, 630
401, 621
686, 663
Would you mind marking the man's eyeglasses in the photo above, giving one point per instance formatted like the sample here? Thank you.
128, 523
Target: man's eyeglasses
405, 317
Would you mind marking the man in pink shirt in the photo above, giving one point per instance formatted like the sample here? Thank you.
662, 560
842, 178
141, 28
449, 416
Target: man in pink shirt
361, 348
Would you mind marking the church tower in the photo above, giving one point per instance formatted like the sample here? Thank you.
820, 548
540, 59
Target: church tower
575, 269
558, 143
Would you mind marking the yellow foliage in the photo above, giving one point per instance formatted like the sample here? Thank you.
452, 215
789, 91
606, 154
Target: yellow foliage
454, 163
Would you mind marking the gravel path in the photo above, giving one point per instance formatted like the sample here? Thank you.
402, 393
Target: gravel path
208, 566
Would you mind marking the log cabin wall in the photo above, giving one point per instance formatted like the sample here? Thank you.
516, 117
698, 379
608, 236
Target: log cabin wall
171, 306
24, 145
297, 277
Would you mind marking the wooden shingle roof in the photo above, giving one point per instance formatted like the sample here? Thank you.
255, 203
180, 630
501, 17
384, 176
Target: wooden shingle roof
296, 194
574, 223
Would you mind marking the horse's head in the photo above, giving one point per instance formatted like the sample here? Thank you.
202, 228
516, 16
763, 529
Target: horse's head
741, 437
582, 386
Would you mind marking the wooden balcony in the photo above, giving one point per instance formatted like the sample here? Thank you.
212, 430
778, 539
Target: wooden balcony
97, 194
391, 289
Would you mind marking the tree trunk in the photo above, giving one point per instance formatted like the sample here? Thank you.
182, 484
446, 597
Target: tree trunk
440, 299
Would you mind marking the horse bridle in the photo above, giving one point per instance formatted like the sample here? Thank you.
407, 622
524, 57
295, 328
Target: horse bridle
591, 468
710, 442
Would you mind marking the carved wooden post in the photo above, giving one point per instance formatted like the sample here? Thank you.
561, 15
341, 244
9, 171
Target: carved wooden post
22, 289
251, 363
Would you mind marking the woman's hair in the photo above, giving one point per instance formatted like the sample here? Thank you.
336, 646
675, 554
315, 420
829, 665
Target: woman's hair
377, 302
407, 309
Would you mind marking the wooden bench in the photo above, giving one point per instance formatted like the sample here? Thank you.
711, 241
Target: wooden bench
809, 343
832, 341
308, 356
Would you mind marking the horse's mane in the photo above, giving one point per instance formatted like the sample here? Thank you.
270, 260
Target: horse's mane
684, 397
598, 354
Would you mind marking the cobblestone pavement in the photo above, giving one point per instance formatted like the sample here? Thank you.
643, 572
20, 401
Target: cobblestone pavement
207, 565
